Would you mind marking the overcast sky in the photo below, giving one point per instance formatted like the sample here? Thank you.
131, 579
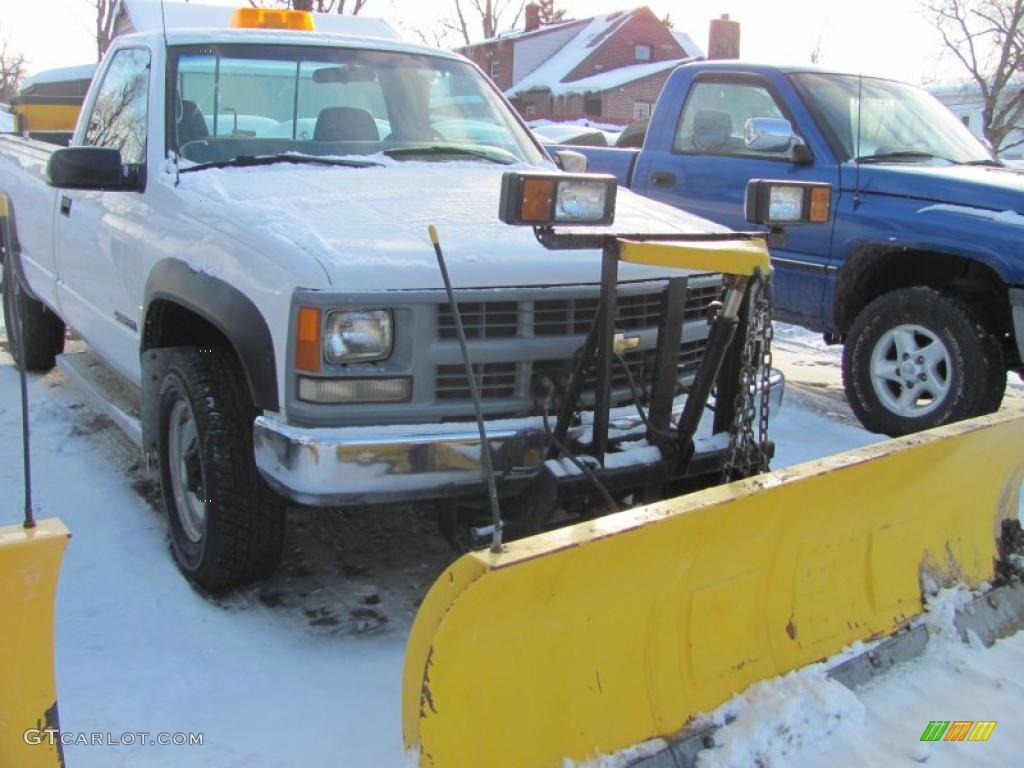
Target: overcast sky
884, 37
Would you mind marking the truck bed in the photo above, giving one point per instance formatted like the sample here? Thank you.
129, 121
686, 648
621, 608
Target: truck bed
618, 162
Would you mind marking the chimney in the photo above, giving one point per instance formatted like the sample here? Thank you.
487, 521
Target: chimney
532, 17
724, 38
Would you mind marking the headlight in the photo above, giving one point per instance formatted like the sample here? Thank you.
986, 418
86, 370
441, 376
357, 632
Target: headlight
360, 335
546, 199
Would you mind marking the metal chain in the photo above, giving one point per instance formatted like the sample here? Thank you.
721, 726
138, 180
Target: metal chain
745, 451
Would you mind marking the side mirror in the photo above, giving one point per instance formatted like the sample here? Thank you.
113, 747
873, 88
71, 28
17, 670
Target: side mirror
571, 162
772, 134
97, 168
778, 203
768, 134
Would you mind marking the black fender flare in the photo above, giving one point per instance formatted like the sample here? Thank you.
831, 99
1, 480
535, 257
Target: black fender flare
227, 309
12, 251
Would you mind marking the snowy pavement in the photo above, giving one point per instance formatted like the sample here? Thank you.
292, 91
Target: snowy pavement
306, 668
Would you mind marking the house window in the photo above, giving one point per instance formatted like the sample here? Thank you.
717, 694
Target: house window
966, 120
641, 110
642, 53
592, 105
494, 69
531, 109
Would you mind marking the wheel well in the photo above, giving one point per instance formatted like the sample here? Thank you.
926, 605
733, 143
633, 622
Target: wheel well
872, 271
172, 325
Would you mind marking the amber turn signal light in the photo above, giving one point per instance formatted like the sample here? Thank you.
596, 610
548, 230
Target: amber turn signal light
307, 340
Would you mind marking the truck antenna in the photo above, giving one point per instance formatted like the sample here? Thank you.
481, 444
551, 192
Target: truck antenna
856, 158
16, 340
485, 447
174, 144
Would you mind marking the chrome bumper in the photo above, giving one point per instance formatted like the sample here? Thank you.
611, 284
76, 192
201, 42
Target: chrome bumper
361, 465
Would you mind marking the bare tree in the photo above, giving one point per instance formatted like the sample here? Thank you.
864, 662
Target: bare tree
12, 70
815, 54
106, 18
987, 38
492, 15
549, 14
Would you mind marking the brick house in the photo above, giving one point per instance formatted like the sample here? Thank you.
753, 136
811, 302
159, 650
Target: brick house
607, 68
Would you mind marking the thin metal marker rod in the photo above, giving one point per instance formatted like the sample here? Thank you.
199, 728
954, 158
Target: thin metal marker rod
485, 446
9, 274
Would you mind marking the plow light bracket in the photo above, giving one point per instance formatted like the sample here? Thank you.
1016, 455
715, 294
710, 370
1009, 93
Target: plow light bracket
788, 202
545, 199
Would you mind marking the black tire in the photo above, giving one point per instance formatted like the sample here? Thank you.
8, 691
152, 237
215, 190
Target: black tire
238, 535
42, 330
970, 379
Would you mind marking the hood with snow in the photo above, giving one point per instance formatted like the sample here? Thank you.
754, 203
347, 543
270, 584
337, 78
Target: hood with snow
367, 227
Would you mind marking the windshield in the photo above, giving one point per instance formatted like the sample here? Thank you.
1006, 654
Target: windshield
897, 121
232, 103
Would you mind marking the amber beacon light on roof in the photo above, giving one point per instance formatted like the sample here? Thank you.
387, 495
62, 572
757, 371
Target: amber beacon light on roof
268, 18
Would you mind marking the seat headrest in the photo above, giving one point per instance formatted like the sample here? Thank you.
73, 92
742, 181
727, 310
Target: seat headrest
345, 124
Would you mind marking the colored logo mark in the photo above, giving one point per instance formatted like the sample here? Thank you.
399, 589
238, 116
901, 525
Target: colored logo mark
958, 730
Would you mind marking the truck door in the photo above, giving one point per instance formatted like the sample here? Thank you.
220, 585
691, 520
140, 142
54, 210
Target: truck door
706, 168
98, 234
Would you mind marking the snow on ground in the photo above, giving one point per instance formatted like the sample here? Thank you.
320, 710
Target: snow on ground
805, 720
306, 668
6, 120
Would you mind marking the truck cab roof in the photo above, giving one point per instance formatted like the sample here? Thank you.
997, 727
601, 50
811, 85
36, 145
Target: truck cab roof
228, 36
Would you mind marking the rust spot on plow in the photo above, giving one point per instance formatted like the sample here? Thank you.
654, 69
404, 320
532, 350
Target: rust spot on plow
426, 698
791, 629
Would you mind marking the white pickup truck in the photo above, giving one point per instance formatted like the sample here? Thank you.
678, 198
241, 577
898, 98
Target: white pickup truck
238, 230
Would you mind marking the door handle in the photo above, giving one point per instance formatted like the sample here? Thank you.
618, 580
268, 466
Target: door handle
65, 205
663, 179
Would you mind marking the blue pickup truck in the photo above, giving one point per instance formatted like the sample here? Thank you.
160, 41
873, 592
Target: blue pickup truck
920, 269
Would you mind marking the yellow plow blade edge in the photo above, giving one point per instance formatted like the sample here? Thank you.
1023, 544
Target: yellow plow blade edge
29, 566
587, 639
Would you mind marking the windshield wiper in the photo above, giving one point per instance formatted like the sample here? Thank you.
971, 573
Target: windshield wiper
898, 156
244, 161
440, 149
986, 163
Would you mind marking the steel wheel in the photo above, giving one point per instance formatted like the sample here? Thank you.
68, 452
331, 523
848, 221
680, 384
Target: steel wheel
186, 471
911, 370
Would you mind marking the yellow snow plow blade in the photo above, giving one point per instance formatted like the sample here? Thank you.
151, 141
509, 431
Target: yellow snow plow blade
29, 565
591, 638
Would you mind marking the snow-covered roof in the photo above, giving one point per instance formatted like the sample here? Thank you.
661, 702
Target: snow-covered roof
552, 72
600, 82
519, 34
146, 17
689, 45
61, 75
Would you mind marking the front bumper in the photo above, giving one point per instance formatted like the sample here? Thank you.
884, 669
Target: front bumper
376, 465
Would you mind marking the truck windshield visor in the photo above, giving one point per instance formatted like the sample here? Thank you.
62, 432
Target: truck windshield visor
873, 118
238, 101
